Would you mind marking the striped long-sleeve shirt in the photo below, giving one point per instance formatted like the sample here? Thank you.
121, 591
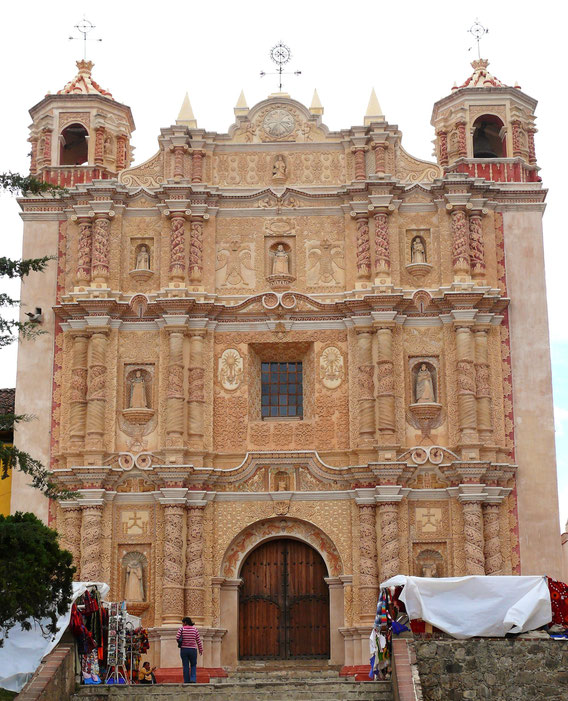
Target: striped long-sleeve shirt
189, 636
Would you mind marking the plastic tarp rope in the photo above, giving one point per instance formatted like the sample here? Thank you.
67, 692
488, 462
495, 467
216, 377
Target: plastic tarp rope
23, 650
483, 606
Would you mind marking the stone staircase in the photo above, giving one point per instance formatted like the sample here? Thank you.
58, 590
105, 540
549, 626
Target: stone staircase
297, 680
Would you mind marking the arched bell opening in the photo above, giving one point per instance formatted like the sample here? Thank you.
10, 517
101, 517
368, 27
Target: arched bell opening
74, 145
488, 137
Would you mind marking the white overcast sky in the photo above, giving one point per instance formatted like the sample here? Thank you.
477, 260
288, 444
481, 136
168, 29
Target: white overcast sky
411, 52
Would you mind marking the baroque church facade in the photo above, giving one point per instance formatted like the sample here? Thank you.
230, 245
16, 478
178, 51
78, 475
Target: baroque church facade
283, 363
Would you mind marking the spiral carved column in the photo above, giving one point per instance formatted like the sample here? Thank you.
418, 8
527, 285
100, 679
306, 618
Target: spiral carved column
196, 396
101, 249
359, 153
99, 145
532, 152
363, 247
178, 152
173, 580
442, 147
390, 560
368, 578
177, 248
96, 383
366, 386
174, 397
460, 243
474, 542
84, 251
33, 164
45, 154
385, 386
72, 518
462, 143
382, 244
197, 166
476, 246
466, 385
121, 151
194, 568
91, 544
380, 149
79, 373
492, 534
482, 385
196, 250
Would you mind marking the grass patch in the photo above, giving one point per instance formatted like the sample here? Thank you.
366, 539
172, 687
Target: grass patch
6, 695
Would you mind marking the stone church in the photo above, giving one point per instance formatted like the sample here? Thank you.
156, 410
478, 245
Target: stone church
283, 363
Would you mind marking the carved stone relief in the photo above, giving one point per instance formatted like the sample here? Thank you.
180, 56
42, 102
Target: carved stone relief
135, 565
331, 367
235, 264
231, 369
325, 263
135, 522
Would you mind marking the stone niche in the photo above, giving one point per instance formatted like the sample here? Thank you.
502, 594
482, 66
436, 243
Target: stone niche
280, 253
134, 578
418, 252
424, 405
138, 399
141, 258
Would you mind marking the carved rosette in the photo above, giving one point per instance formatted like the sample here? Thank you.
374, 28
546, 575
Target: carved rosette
72, 519
359, 153
99, 145
79, 374
390, 560
482, 385
196, 395
385, 383
462, 144
91, 544
473, 531
380, 149
173, 581
84, 251
366, 386
174, 401
492, 537
382, 244
460, 242
101, 245
443, 147
195, 568
96, 383
368, 577
196, 251
177, 248
476, 246
363, 247
466, 383
197, 165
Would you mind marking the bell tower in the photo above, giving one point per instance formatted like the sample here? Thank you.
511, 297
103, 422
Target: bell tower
80, 134
486, 129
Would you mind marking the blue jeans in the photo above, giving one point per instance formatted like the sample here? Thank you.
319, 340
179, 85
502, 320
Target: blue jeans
188, 657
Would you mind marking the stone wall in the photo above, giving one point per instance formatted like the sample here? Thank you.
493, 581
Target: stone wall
491, 668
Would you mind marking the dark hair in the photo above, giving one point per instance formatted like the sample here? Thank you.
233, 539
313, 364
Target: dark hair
187, 621
146, 663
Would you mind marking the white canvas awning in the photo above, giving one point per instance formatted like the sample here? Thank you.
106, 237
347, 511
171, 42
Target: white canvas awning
478, 605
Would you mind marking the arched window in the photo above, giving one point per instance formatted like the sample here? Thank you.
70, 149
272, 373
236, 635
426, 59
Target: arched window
488, 138
74, 148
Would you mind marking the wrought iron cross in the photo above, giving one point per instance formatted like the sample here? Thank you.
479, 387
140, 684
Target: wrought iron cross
84, 27
280, 54
478, 31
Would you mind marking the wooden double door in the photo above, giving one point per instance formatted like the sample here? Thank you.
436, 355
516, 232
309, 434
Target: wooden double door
284, 602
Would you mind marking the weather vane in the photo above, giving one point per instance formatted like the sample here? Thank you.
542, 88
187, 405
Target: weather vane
84, 27
477, 30
280, 54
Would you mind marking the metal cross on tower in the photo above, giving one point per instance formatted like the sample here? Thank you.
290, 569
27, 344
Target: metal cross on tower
280, 54
84, 27
477, 30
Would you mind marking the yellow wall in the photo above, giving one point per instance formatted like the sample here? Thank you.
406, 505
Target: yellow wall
5, 493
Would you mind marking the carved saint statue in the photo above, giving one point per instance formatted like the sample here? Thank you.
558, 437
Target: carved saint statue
143, 258
280, 264
417, 251
108, 146
279, 168
134, 582
138, 392
424, 386
429, 569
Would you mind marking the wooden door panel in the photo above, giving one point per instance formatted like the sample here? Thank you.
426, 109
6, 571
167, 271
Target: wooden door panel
309, 628
259, 628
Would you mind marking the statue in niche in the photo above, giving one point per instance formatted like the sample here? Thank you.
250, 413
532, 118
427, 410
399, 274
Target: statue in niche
424, 392
279, 168
281, 261
138, 391
143, 258
107, 146
430, 564
429, 569
281, 482
133, 577
417, 250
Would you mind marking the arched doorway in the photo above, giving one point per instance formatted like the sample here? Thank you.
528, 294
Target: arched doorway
284, 602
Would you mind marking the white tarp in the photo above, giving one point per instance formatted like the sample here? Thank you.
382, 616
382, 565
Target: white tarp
23, 650
478, 605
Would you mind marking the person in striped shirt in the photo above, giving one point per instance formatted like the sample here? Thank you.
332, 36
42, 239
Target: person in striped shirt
189, 642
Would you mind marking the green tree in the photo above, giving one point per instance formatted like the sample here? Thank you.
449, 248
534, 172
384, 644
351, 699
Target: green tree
35, 575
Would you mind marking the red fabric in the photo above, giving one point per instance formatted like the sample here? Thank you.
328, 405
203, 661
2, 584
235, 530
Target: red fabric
559, 601
190, 637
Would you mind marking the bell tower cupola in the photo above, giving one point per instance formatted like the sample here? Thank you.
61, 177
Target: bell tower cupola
486, 129
80, 134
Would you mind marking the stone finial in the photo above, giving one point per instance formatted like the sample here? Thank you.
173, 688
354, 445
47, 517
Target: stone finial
374, 112
185, 116
316, 107
241, 108
83, 83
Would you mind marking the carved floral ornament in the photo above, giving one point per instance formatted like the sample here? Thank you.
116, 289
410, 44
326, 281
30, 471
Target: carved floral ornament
331, 367
231, 369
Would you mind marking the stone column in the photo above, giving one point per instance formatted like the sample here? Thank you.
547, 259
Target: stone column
516, 128
91, 543
390, 559
382, 245
482, 385
101, 248
194, 568
99, 145
532, 152
196, 249
442, 147
380, 149
229, 615
177, 248
96, 381
174, 396
462, 143
359, 153
84, 247
33, 162
72, 518
473, 531
385, 386
79, 373
336, 620
366, 386
196, 397
368, 571
46, 152
476, 246
363, 246
172, 589
197, 165
121, 155
178, 152
466, 384
460, 244
492, 533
